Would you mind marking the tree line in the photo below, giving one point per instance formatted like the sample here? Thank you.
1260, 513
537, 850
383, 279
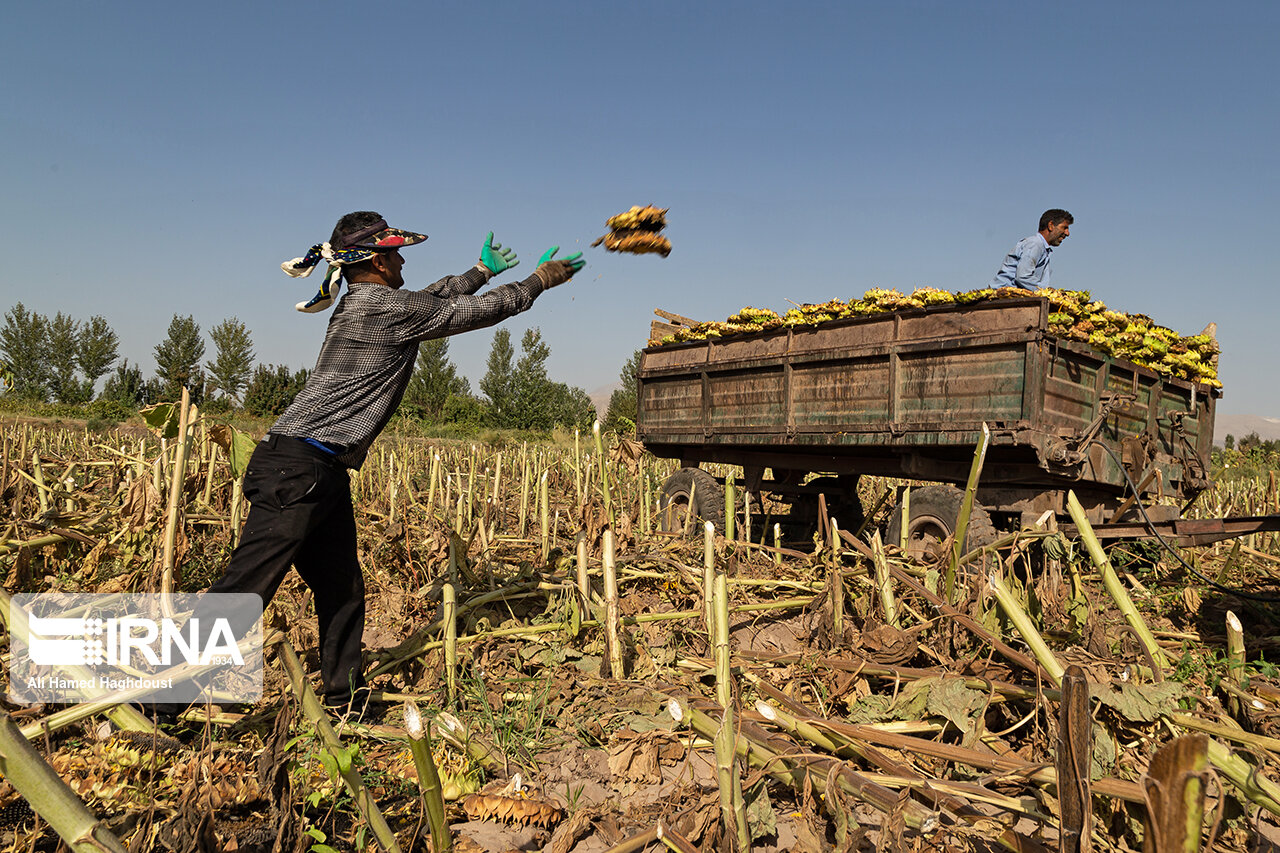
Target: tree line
62, 359
1252, 443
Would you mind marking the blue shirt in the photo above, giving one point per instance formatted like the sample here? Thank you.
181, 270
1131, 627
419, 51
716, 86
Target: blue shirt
1027, 266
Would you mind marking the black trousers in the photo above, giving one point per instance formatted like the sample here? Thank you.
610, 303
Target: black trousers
301, 515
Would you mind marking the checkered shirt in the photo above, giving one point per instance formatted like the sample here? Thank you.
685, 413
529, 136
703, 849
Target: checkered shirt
370, 348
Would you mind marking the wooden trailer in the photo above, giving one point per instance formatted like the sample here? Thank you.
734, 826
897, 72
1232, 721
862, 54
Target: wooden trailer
906, 395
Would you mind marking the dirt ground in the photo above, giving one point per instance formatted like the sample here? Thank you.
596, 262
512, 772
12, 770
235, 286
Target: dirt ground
870, 714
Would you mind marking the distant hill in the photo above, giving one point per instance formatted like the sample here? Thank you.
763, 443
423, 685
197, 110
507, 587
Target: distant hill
1268, 429
601, 395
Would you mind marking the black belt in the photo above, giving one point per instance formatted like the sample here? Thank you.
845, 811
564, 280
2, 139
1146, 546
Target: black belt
320, 449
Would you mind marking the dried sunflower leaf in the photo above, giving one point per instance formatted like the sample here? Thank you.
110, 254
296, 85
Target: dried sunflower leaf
1140, 703
961, 705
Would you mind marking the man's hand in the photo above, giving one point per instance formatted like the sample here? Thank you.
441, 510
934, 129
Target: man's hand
553, 272
495, 258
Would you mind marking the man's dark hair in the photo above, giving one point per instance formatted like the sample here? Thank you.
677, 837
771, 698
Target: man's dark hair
350, 224
1047, 218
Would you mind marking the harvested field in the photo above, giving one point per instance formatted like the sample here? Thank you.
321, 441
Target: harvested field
1055, 690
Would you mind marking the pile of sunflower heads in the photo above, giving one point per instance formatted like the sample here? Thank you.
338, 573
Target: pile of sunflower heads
637, 231
1074, 315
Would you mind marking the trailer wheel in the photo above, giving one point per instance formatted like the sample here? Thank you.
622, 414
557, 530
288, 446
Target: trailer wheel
934, 510
707, 494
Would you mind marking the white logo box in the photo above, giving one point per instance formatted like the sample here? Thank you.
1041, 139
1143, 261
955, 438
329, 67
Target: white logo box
68, 648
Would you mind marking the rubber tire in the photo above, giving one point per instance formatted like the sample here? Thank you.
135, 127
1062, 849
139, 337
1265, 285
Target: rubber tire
934, 510
708, 496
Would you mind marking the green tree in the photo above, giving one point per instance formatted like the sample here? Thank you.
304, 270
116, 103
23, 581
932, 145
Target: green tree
531, 393
178, 358
97, 349
153, 391
126, 386
23, 339
571, 407
229, 370
61, 345
465, 410
435, 379
496, 382
621, 414
271, 389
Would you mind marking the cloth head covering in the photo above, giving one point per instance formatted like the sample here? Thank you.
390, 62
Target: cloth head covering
354, 248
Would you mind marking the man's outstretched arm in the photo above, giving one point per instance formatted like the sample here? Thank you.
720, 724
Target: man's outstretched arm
493, 260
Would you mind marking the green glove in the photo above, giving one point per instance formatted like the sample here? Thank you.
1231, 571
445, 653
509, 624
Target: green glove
575, 260
554, 272
495, 258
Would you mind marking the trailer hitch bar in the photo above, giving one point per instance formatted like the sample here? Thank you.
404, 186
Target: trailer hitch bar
1186, 532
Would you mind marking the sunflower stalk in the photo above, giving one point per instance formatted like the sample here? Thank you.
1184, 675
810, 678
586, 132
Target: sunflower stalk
1112, 582
524, 492
1026, 627
432, 480
966, 508
544, 514
708, 575
577, 470
175, 503
324, 730
853, 736
584, 577
808, 730
37, 473
428, 778
450, 616
732, 807
904, 530
645, 504
1247, 779
1235, 658
1175, 786
730, 499
457, 735
755, 745
604, 473
835, 583
884, 585
612, 635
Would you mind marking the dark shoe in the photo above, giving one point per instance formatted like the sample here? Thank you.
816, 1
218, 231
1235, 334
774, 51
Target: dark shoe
359, 706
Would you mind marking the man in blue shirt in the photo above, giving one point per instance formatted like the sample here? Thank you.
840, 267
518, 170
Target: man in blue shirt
1027, 266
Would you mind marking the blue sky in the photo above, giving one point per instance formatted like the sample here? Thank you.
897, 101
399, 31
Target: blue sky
165, 158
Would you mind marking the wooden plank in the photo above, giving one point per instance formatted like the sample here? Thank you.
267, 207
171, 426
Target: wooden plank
674, 318
1072, 760
659, 330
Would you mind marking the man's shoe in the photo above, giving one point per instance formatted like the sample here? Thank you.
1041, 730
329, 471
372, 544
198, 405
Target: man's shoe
360, 706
